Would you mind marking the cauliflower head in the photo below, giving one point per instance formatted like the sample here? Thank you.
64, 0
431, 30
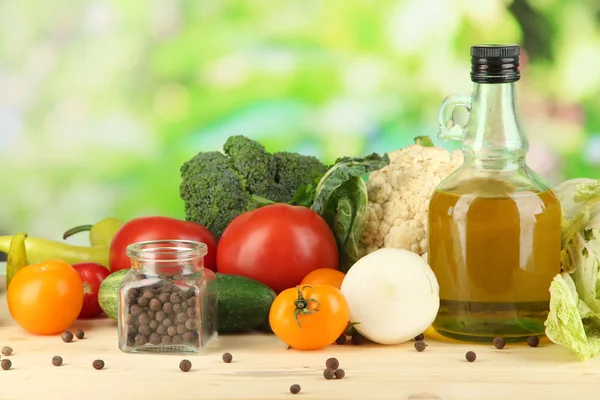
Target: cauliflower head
399, 197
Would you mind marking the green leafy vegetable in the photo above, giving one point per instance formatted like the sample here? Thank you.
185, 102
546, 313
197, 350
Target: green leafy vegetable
574, 318
341, 199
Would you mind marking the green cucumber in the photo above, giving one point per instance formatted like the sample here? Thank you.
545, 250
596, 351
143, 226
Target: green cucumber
243, 303
108, 295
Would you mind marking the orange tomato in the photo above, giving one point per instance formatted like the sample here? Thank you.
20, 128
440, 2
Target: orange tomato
309, 317
45, 298
327, 276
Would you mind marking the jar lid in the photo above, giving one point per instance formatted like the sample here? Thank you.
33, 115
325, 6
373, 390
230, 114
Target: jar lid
167, 250
495, 63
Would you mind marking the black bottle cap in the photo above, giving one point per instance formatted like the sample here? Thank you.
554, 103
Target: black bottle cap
495, 63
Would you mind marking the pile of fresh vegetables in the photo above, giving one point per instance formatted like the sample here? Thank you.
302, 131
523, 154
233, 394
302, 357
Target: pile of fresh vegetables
307, 251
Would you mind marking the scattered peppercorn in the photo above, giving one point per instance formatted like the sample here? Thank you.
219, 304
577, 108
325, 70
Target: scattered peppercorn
6, 364
185, 365
357, 338
332, 363
340, 373
57, 361
533, 341
7, 351
80, 334
295, 389
328, 373
419, 337
98, 364
499, 342
420, 345
341, 339
470, 356
227, 357
67, 336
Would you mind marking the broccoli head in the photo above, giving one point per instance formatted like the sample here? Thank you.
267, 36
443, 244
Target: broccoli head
217, 187
293, 171
213, 193
253, 162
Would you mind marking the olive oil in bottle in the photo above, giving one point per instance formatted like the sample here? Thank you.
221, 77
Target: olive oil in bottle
494, 225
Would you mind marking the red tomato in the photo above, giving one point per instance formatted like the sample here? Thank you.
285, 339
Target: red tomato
159, 228
277, 245
91, 275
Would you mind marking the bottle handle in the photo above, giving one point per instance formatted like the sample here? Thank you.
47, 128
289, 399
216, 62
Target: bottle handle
448, 128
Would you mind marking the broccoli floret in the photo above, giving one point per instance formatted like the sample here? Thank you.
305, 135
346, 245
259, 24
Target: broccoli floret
218, 187
295, 170
213, 192
253, 162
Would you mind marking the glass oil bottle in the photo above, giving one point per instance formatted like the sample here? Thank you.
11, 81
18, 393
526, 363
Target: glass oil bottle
494, 224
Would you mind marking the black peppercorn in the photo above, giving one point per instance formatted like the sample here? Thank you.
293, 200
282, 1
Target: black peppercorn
185, 365
177, 308
227, 357
470, 356
144, 330
188, 337
67, 336
191, 324
172, 330
98, 364
499, 342
6, 364
142, 301
295, 389
80, 334
57, 361
164, 297
7, 351
341, 339
328, 373
154, 324
340, 373
419, 337
136, 310
192, 312
420, 345
357, 338
155, 305
177, 339
533, 341
181, 317
140, 340
144, 319
161, 330
154, 338
332, 363
160, 316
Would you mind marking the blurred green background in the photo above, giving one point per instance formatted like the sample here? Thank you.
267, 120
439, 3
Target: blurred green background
101, 101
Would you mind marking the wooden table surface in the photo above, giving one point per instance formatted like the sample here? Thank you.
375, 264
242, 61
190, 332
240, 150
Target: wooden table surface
264, 369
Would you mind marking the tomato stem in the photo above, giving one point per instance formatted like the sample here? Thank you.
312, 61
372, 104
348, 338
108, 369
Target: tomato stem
302, 304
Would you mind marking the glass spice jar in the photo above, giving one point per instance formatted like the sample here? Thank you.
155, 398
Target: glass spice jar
167, 302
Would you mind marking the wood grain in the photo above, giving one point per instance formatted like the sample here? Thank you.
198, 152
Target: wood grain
263, 369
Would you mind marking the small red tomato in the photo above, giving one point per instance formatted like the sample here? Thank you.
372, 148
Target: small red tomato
91, 275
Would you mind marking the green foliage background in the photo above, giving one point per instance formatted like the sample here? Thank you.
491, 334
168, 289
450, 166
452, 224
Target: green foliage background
102, 100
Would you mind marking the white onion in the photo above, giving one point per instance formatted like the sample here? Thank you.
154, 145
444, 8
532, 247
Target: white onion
393, 295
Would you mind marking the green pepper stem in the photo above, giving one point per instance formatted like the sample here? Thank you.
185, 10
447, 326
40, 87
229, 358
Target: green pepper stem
77, 229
